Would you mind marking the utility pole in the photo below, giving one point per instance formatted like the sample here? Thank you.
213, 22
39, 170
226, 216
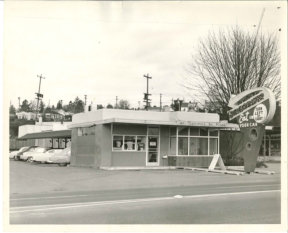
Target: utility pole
85, 99
38, 94
180, 104
116, 106
146, 95
160, 102
19, 102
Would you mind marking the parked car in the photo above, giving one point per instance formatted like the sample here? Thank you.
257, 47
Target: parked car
43, 157
22, 150
14, 153
62, 158
30, 153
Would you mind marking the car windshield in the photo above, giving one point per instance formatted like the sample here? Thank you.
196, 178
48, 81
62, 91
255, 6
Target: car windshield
32, 149
23, 148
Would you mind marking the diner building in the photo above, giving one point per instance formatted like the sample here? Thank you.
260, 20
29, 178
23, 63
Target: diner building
126, 138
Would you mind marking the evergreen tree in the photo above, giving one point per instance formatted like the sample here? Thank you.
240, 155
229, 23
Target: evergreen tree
12, 109
78, 105
25, 107
59, 105
109, 106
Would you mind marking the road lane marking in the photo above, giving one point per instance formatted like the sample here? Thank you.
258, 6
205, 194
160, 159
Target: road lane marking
15, 210
32, 198
210, 188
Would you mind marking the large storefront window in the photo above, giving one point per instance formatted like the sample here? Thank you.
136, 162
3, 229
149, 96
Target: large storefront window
213, 147
129, 143
86, 131
183, 146
173, 145
193, 141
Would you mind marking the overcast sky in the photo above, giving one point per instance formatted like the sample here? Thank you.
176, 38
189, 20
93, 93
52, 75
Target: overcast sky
103, 49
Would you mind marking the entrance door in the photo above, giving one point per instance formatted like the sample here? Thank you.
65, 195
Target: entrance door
153, 151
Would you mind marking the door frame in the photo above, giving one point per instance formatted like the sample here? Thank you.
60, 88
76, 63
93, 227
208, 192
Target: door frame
151, 164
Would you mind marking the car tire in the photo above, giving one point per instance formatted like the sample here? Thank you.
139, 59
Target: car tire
62, 164
29, 160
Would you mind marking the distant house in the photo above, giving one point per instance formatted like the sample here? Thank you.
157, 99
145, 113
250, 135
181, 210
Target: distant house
27, 115
189, 106
58, 115
53, 116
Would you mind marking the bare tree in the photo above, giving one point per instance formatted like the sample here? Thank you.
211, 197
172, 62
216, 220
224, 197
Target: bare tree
233, 61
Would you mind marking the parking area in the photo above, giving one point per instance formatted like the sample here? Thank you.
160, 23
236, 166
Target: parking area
27, 178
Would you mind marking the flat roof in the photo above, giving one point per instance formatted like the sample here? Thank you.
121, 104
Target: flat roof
48, 134
107, 116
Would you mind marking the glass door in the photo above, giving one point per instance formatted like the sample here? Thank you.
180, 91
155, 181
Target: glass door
152, 157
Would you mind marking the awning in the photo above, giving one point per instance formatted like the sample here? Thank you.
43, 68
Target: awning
48, 134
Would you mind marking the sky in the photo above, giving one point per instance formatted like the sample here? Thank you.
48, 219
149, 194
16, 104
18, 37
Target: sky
103, 49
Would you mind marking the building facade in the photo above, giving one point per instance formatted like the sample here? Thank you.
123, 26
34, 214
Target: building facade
113, 137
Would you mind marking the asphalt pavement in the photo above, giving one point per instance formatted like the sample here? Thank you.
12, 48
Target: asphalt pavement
69, 195
255, 203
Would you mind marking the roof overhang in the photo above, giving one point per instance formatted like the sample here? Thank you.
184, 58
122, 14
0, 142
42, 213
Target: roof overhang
151, 122
48, 134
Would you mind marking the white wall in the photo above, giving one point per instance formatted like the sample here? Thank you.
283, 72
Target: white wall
105, 114
25, 129
44, 126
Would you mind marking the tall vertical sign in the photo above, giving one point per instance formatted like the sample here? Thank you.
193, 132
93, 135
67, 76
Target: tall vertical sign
252, 109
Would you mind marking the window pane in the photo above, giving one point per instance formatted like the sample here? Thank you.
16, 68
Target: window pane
152, 157
183, 131
80, 132
194, 131
173, 131
213, 146
194, 146
117, 142
213, 132
198, 146
141, 143
203, 132
86, 131
203, 149
153, 131
183, 146
129, 142
173, 146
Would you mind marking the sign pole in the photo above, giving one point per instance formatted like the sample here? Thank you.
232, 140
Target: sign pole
252, 109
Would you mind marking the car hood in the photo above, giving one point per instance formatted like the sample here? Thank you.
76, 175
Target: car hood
13, 153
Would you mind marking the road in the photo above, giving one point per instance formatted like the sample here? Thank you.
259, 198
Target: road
241, 203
